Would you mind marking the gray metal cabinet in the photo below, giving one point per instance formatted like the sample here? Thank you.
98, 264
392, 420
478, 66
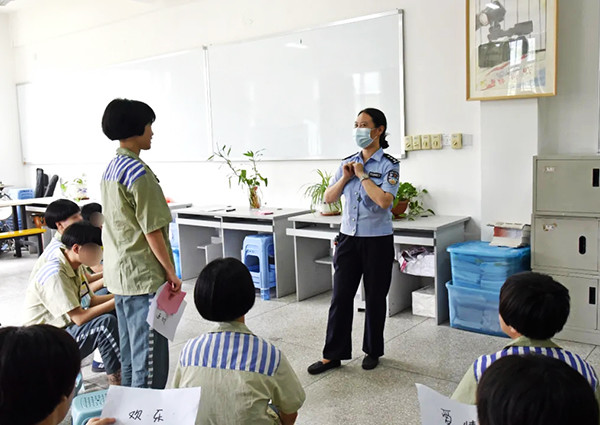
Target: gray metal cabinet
565, 235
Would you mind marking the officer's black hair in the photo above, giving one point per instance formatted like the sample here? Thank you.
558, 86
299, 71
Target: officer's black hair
38, 366
81, 233
534, 304
534, 390
60, 210
379, 120
88, 209
124, 118
224, 290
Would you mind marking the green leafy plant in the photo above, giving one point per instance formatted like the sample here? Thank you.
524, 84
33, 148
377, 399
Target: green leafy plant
251, 178
414, 197
316, 194
75, 189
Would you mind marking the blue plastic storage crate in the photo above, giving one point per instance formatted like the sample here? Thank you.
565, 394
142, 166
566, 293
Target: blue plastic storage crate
477, 264
19, 193
474, 309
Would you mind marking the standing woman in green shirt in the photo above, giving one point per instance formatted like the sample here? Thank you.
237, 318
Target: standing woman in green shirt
137, 253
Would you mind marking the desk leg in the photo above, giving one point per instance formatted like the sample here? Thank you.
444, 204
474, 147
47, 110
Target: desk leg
284, 258
311, 278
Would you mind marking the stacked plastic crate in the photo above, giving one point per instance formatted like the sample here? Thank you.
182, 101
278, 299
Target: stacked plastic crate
478, 272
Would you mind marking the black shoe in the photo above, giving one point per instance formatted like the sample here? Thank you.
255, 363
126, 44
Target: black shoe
370, 362
320, 367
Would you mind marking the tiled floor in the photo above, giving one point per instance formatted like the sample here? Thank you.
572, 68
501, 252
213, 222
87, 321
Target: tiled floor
417, 351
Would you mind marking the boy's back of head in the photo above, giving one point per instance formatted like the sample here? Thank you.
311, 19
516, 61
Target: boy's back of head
38, 368
534, 304
60, 210
92, 213
81, 233
534, 390
224, 290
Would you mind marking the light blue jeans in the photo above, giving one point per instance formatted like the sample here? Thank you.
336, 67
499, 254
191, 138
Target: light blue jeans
144, 352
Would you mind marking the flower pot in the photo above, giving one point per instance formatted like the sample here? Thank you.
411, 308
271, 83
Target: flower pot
328, 209
400, 208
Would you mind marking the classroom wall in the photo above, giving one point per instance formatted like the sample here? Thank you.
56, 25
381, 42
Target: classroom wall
11, 166
569, 120
490, 179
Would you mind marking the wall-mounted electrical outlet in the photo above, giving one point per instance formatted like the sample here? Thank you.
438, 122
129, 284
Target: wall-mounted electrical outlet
426, 141
407, 143
436, 141
456, 141
416, 143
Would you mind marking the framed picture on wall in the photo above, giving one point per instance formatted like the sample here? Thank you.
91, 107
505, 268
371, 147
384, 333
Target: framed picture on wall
511, 48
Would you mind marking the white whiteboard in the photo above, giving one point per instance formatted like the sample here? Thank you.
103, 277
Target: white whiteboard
60, 116
297, 95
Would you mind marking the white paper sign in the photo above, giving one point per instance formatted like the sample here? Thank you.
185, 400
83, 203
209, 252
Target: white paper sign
143, 406
437, 409
163, 323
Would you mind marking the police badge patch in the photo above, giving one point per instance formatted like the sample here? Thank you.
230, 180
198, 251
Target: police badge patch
392, 177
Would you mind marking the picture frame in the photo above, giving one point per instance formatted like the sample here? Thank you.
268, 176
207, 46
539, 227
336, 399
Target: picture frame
511, 48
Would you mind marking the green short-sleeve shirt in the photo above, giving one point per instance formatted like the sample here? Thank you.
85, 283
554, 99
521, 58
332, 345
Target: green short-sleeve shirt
239, 373
54, 289
133, 205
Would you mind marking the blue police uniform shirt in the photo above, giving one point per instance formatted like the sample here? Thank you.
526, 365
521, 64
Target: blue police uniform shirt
361, 215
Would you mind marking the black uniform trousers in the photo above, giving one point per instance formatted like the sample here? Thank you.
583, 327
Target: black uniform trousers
356, 257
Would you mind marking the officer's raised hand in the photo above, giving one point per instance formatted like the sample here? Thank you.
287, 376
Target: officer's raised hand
357, 168
348, 170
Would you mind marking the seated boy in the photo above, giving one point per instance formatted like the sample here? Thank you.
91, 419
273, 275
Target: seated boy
59, 295
240, 373
533, 308
92, 213
534, 390
38, 368
59, 215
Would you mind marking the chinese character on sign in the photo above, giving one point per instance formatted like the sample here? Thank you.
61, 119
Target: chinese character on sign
470, 423
136, 415
157, 416
446, 416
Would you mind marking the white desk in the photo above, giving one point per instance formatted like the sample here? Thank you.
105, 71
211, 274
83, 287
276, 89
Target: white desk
313, 239
207, 235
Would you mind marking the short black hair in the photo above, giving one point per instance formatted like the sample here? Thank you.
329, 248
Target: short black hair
60, 210
38, 366
534, 304
534, 390
124, 118
224, 290
88, 209
81, 233
379, 120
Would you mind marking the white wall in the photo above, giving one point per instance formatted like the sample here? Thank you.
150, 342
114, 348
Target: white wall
569, 120
11, 167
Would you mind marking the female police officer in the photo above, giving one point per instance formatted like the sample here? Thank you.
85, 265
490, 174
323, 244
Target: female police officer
369, 181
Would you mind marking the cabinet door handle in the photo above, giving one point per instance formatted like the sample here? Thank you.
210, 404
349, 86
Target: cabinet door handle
582, 244
595, 177
592, 299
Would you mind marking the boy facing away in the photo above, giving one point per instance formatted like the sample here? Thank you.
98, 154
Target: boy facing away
533, 308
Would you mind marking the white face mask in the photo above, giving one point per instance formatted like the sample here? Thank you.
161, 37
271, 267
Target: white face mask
362, 137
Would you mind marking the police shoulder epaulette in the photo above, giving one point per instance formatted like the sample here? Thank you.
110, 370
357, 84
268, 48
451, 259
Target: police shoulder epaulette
349, 156
391, 158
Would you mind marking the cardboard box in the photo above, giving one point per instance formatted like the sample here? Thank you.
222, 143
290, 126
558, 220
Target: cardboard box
423, 302
512, 235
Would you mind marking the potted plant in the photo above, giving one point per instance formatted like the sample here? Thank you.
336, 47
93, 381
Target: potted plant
250, 178
75, 189
409, 197
316, 194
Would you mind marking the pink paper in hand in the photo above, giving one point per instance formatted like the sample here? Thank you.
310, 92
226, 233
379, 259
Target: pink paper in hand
168, 301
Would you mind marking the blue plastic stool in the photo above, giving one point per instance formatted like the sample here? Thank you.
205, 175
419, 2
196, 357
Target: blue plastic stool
87, 406
258, 254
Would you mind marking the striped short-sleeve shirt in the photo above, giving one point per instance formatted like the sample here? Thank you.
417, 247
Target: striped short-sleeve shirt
239, 373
